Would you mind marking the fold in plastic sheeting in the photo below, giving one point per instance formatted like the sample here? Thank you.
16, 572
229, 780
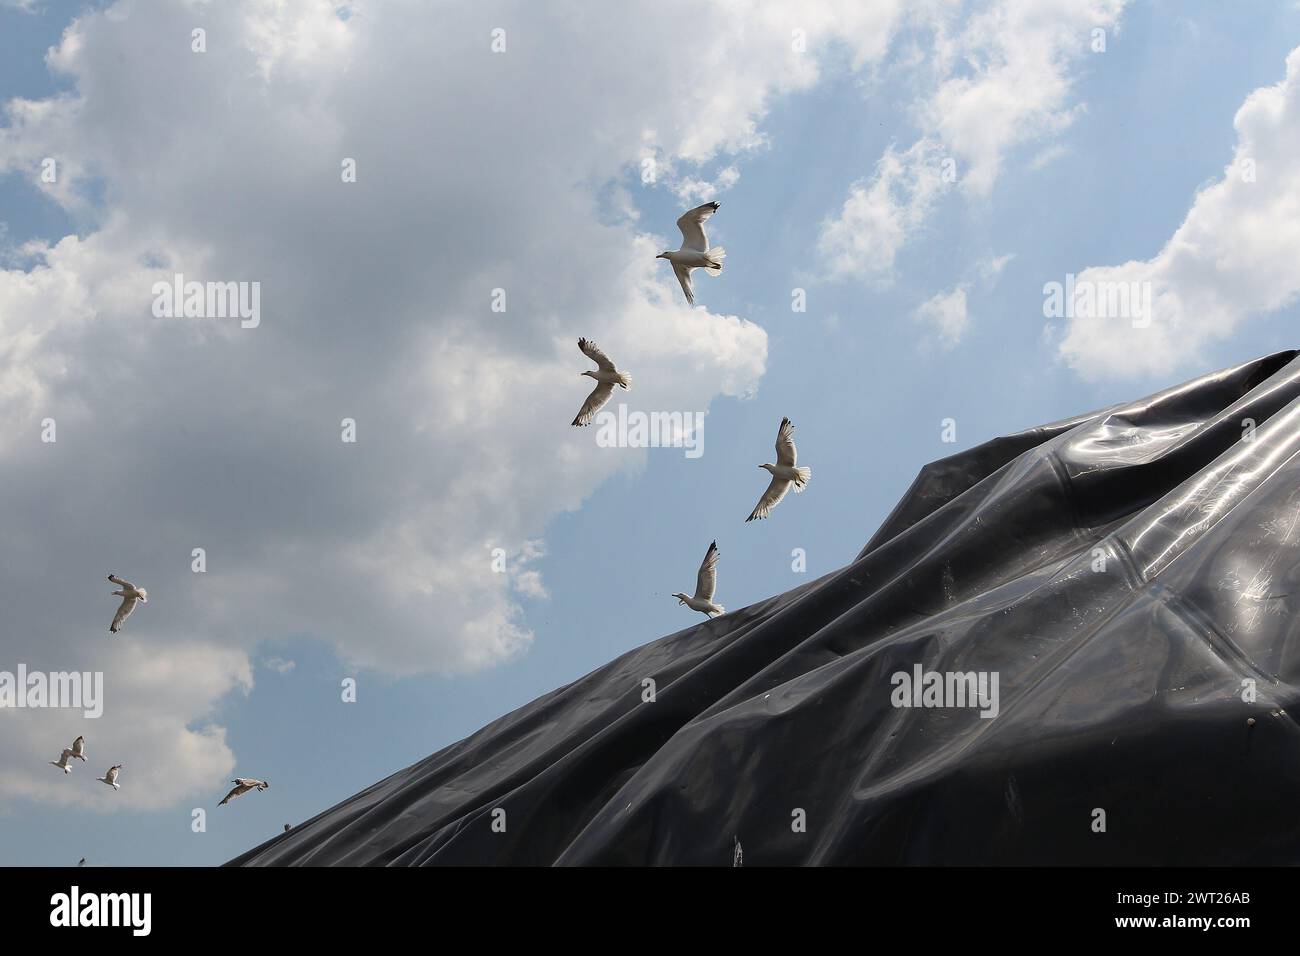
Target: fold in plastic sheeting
1130, 577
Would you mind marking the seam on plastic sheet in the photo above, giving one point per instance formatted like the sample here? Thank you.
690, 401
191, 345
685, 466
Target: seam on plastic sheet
1067, 491
1223, 646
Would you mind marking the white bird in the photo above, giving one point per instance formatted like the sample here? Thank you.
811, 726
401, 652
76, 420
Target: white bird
737, 854
784, 472
241, 786
62, 762
695, 252
79, 748
130, 596
606, 376
110, 778
706, 582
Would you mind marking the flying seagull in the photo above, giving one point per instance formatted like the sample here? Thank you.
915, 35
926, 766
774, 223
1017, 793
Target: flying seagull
79, 748
130, 595
607, 376
695, 252
705, 584
784, 473
737, 854
62, 762
83, 862
110, 778
241, 786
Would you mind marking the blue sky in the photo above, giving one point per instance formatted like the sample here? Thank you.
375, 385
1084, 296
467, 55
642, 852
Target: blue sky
376, 301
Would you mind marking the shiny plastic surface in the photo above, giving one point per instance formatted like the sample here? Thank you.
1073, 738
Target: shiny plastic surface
1129, 575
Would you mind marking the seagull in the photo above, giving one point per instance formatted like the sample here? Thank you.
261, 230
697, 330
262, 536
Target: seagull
130, 595
79, 748
607, 376
241, 786
695, 252
110, 778
705, 584
737, 854
83, 862
62, 762
784, 473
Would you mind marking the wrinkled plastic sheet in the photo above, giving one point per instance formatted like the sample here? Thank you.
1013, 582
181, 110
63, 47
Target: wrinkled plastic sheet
1129, 575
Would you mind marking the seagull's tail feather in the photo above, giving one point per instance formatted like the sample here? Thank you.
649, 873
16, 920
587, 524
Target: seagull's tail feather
713, 260
804, 474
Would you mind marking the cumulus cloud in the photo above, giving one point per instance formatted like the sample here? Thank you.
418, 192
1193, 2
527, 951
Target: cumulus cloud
882, 214
1005, 79
476, 172
155, 723
994, 80
944, 317
1232, 258
691, 190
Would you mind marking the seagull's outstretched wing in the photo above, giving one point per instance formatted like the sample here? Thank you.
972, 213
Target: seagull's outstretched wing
691, 224
592, 352
241, 786
707, 580
238, 790
785, 452
594, 403
683, 274
79, 748
120, 582
775, 492
123, 612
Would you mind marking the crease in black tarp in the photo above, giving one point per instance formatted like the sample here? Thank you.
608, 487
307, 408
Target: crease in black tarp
1121, 689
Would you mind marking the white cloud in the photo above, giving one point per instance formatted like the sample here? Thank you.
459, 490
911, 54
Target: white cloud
989, 269
994, 80
1233, 257
944, 317
694, 191
882, 214
1007, 78
183, 433
155, 723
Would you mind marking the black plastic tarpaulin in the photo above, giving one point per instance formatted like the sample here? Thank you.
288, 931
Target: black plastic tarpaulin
1118, 594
